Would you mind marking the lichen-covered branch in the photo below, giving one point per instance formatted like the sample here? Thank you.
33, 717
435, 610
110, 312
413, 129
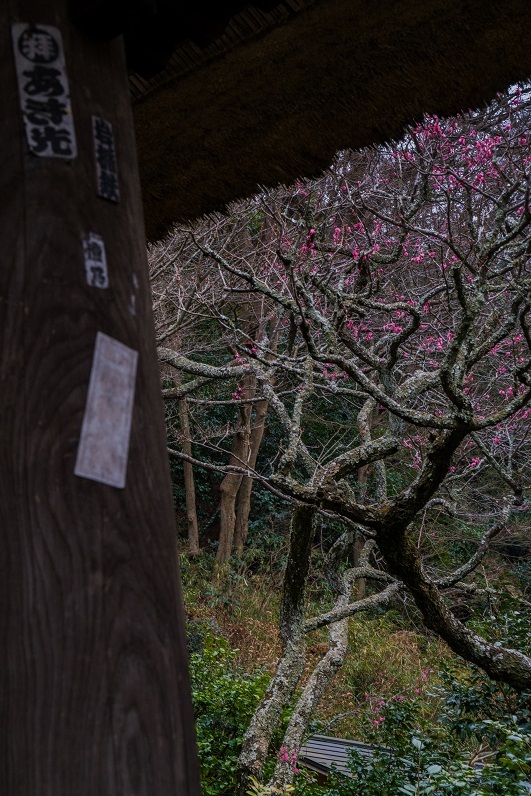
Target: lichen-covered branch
293, 659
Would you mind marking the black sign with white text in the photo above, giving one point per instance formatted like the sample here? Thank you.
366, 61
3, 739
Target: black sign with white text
43, 90
105, 156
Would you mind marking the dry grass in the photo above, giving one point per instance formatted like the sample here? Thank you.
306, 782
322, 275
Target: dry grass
243, 609
383, 663
384, 660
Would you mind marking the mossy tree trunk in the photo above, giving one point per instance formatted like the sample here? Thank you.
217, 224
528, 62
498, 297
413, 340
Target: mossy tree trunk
257, 739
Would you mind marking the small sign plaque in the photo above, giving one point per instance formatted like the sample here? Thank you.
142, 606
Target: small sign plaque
105, 157
95, 261
104, 441
43, 90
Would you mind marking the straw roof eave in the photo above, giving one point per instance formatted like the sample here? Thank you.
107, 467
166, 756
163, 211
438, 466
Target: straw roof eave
277, 103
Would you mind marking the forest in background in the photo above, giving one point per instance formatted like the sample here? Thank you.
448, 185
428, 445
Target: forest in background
346, 371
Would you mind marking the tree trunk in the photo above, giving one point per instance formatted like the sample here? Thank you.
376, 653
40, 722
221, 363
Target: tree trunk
309, 700
231, 483
359, 542
244, 495
357, 550
341, 584
189, 486
293, 658
500, 663
94, 692
257, 433
403, 560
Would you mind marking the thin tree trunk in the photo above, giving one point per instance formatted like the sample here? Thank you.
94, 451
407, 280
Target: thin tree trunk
359, 542
239, 454
231, 483
189, 486
257, 433
293, 659
326, 669
357, 550
246, 486
365, 426
320, 678
313, 692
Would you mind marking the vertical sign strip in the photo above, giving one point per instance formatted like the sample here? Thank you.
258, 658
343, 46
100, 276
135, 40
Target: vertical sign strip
105, 157
43, 90
104, 441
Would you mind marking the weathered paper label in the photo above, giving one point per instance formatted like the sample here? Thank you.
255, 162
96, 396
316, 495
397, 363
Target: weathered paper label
104, 441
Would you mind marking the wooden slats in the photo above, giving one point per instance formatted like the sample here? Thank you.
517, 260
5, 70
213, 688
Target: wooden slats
322, 753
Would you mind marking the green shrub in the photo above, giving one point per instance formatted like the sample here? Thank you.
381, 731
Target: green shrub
224, 700
463, 754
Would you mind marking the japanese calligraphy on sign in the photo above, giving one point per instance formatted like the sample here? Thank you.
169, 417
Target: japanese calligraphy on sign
105, 156
43, 90
95, 261
104, 440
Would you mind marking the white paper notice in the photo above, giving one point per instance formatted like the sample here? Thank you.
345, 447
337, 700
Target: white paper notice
106, 429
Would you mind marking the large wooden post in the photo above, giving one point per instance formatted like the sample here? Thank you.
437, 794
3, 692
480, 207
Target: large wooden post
94, 693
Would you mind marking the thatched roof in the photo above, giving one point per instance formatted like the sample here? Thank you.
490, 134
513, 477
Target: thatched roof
285, 87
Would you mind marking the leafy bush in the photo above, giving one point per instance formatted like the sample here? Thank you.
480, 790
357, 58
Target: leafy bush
224, 700
470, 702
461, 755
523, 572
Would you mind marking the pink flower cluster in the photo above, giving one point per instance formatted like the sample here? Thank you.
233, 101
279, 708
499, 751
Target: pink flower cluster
289, 758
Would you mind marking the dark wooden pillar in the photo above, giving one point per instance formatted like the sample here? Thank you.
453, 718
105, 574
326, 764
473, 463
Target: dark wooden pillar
94, 693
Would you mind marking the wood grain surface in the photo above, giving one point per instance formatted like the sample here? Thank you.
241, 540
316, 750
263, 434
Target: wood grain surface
94, 693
